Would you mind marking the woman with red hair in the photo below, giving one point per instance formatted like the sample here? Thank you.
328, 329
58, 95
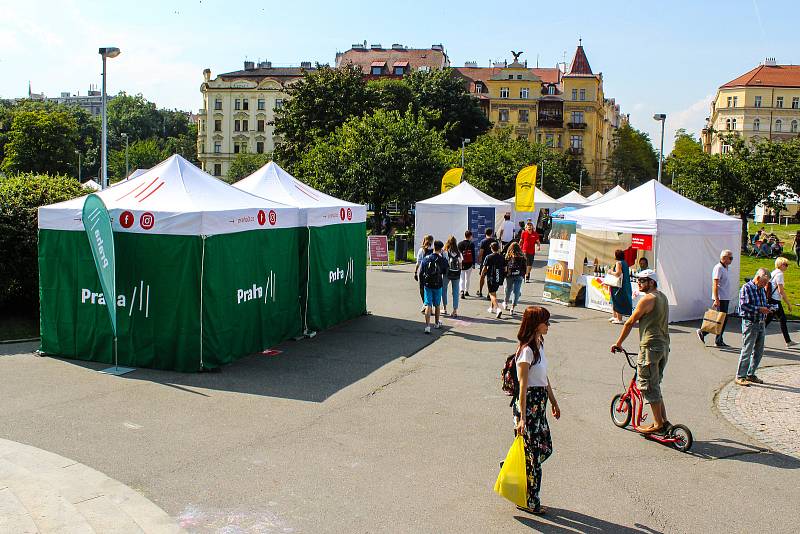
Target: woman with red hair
530, 409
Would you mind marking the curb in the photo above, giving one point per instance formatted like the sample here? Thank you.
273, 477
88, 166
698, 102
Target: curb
24, 340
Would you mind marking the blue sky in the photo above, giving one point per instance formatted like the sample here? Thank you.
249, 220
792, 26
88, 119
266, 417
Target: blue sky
666, 57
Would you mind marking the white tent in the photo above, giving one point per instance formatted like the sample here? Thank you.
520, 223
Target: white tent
610, 195
91, 184
687, 241
791, 203
594, 196
541, 201
453, 212
573, 198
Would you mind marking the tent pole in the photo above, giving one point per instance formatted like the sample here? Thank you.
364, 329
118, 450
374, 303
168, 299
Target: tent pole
202, 269
308, 274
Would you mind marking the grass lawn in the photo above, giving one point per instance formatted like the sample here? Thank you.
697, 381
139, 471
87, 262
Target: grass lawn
749, 264
18, 327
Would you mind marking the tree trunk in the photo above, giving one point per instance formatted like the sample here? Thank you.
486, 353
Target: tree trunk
376, 219
745, 233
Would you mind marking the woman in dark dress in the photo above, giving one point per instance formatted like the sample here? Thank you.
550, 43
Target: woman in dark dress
621, 297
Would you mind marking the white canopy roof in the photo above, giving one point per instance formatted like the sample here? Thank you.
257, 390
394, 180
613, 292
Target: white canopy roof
573, 198
653, 208
614, 193
540, 200
91, 184
464, 194
317, 208
594, 196
176, 198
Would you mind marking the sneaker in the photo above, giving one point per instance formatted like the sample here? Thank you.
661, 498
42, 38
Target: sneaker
437, 326
722, 345
427, 329
754, 379
701, 336
479, 294
611, 319
491, 310
461, 295
466, 294
617, 321
499, 313
742, 382
791, 344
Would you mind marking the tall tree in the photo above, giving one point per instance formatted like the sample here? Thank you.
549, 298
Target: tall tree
41, 141
135, 116
633, 160
245, 164
141, 155
377, 159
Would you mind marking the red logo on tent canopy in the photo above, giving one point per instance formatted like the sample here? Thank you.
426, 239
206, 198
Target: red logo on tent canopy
273, 217
146, 220
341, 214
126, 219
262, 217
349, 214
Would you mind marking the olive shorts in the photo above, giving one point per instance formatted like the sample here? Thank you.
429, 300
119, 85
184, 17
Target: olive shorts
650, 369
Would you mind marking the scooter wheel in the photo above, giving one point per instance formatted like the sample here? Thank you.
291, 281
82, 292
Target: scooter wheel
683, 437
621, 415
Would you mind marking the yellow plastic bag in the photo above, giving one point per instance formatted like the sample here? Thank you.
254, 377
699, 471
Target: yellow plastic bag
512, 482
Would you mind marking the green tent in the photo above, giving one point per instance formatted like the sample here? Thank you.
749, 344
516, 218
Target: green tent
205, 273
333, 262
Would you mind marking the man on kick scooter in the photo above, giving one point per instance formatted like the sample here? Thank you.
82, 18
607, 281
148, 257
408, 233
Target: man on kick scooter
652, 312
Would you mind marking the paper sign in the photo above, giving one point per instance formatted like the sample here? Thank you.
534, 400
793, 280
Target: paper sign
378, 248
642, 241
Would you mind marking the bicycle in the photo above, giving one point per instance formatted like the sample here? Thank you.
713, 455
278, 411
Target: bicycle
628, 406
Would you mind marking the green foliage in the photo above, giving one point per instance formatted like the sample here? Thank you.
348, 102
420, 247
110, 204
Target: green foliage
377, 159
246, 164
633, 160
141, 155
391, 94
42, 142
133, 115
20, 196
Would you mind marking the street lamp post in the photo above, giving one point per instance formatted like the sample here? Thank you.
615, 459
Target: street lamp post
105, 52
580, 182
542, 186
127, 169
78, 152
663, 118
464, 142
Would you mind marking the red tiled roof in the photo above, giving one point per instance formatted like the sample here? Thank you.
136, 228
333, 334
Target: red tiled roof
400, 64
769, 76
377, 64
580, 63
415, 57
483, 74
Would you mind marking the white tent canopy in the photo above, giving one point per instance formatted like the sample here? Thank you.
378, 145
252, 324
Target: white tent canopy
449, 213
91, 184
688, 239
610, 195
573, 198
594, 196
175, 198
316, 208
541, 201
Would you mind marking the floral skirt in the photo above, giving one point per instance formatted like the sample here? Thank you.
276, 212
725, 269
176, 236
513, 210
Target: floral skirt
538, 445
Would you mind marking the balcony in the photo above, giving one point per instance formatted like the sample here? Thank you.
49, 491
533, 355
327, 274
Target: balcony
575, 151
576, 125
551, 121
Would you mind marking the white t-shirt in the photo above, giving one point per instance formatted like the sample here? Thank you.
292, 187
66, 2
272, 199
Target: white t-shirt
508, 231
777, 278
537, 374
720, 273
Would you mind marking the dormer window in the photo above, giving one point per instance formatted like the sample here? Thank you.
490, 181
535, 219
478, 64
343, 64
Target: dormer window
399, 68
376, 69
478, 87
551, 90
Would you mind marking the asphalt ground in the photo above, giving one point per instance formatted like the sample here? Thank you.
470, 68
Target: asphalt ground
374, 426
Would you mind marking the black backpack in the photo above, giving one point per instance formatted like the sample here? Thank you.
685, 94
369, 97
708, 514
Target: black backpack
433, 274
510, 378
516, 267
453, 267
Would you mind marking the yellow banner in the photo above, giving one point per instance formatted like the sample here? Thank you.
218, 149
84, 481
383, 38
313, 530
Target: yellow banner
451, 179
526, 185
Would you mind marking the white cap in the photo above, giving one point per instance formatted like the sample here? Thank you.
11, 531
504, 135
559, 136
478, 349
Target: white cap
648, 273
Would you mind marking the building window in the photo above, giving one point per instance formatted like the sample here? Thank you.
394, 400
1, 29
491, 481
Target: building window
279, 103
733, 124
503, 115
237, 126
548, 139
735, 101
794, 126
218, 104
510, 76
756, 124
262, 104
218, 169
478, 87
237, 104
236, 148
730, 101
504, 92
583, 94
523, 115
575, 141
726, 148
778, 125
558, 138
260, 147
551, 90
260, 125
523, 93
779, 102
217, 125
758, 102
795, 102
519, 76
246, 104
577, 117
217, 148
376, 71
399, 71
727, 124
574, 94
245, 126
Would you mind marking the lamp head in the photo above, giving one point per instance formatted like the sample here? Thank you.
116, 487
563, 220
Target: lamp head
109, 51
660, 116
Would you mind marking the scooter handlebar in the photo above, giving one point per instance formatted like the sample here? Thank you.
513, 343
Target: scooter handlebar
628, 355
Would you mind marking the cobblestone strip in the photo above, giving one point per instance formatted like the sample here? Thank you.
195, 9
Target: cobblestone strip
769, 412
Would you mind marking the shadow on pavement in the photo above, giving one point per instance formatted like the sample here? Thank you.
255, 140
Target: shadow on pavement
558, 520
727, 449
308, 369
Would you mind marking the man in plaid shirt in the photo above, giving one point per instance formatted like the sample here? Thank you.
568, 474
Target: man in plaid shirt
754, 310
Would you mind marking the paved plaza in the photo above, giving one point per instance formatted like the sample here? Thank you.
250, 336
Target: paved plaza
375, 427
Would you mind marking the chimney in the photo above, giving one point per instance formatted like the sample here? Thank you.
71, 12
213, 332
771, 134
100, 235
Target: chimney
376, 46
770, 62
471, 64
305, 64
207, 75
438, 47
265, 65
249, 65
397, 46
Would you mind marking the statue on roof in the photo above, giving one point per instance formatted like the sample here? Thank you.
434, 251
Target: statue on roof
516, 55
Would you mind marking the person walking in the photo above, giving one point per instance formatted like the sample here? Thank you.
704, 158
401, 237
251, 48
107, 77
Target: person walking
652, 313
796, 247
484, 249
494, 267
433, 271
468, 256
515, 272
453, 277
529, 242
530, 408
424, 250
753, 309
776, 294
720, 294
506, 234
621, 297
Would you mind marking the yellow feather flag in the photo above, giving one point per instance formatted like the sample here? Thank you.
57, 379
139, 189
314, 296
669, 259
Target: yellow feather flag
451, 178
526, 185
